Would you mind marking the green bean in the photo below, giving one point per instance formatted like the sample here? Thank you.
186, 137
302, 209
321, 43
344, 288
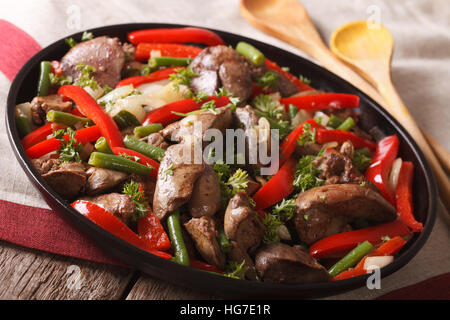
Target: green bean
118, 163
351, 259
249, 51
44, 83
347, 125
147, 150
125, 119
334, 121
157, 62
176, 238
102, 146
23, 126
143, 131
292, 111
66, 118
224, 242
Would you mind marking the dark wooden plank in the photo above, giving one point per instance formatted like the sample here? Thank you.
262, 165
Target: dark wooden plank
148, 288
30, 274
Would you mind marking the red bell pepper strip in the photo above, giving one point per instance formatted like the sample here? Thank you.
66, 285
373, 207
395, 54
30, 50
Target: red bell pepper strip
165, 114
289, 143
204, 266
143, 50
152, 232
142, 159
389, 248
36, 136
346, 241
403, 197
340, 136
112, 224
90, 108
277, 188
257, 90
83, 136
322, 101
77, 112
176, 35
378, 171
301, 86
152, 77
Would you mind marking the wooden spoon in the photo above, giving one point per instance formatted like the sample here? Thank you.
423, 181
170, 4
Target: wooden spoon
289, 21
369, 50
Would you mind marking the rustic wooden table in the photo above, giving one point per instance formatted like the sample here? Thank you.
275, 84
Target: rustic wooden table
31, 274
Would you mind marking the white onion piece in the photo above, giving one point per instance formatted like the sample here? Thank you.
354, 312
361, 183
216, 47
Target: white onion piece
155, 53
149, 88
132, 104
394, 173
283, 232
302, 115
372, 263
331, 145
97, 93
117, 94
320, 115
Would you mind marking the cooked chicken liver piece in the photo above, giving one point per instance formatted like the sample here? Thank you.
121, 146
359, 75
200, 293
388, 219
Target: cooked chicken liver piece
101, 180
41, 105
104, 53
180, 131
326, 210
156, 139
222, 66
120, 205
67, 179
203, 232
279, 262
177, 175
206, 199
245, 229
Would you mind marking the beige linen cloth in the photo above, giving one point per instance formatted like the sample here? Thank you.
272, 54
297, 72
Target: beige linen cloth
421, 68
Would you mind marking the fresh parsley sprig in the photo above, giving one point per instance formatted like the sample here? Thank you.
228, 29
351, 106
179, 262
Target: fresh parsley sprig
134, 190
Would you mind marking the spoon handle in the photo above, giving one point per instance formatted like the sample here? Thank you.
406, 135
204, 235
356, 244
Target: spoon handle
401, 113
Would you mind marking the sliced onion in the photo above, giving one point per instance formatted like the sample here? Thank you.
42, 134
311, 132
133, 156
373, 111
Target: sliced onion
330, 145
155, 53
372, 263
320, 115
395, 172
283, 232
301, 116
117, 94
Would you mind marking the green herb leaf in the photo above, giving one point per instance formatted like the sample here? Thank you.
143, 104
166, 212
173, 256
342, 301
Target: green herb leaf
70, 42
308, 135
306, 175
86, 79
235, 270
87, 36
137, 194
268, 80
70, 149
362, 159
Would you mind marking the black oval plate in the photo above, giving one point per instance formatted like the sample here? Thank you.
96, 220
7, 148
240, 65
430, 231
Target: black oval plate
23, 89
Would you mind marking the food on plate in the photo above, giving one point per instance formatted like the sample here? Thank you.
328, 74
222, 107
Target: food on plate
116, 127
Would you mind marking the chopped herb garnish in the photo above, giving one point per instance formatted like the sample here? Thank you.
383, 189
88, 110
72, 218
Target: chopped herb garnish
304, 79
235, 270
61, 80
308, 135
271, 232
134, 190
182, 76
167, 172
306, 174
268, 80
267, 107
362, 159
86, 79
87, 36
70, 42
70, 149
